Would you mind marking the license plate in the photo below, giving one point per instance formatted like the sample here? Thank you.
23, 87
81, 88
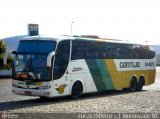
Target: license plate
27, 92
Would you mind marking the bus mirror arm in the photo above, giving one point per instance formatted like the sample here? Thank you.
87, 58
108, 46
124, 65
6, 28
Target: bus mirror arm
5, 58
6, 55
49, 59
15, 52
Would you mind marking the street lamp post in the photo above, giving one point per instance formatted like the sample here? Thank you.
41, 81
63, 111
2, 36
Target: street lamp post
72, 28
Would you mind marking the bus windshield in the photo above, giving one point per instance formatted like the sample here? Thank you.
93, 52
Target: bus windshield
30, 62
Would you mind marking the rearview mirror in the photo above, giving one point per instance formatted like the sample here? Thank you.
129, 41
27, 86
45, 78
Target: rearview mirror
49, 59
6, 55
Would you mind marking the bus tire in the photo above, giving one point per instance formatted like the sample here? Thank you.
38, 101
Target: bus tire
140, 84
133, 84
77, 89
43, 98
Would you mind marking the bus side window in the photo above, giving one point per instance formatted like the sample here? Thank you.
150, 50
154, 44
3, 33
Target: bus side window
61, 59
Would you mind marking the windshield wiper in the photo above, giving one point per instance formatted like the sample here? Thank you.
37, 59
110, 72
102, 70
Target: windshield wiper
24, 70
28, 68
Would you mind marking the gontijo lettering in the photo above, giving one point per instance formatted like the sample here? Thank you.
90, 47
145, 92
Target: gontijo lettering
129, 64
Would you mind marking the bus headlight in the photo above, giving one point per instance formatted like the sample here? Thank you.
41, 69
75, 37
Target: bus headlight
44, 87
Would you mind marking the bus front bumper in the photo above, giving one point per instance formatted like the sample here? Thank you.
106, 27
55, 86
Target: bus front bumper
32, 92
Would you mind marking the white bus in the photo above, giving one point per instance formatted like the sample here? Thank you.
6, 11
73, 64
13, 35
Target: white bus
52, 67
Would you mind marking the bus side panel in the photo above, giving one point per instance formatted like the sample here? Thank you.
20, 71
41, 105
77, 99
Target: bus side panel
121, 77
115, 75
89, 83
104, 74
100, 74
79, 71
61, 86
151, 77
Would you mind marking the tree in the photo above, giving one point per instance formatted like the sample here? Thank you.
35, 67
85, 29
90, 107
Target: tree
3, 49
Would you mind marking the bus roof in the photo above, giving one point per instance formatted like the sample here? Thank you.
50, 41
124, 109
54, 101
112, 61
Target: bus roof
66, 37
55, 38
108, 40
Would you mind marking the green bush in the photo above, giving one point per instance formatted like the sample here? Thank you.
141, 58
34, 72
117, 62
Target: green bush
3, 49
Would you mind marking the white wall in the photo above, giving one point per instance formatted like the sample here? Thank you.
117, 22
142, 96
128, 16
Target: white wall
5, 72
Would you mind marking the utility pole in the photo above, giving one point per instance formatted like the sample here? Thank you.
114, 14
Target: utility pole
72, 28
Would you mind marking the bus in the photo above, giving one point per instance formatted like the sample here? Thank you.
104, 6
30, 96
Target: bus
62, 66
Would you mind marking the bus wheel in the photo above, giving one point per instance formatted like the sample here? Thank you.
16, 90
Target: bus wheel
43, 98
140, 84
133, 84
77, 89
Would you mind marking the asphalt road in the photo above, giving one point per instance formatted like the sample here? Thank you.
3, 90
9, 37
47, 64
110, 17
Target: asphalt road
147, 101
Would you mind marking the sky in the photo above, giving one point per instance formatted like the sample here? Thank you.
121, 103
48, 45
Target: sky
132, 20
